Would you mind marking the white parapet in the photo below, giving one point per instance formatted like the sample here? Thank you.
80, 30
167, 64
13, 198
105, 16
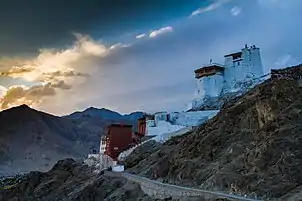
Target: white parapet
195, 118
118, 168
122, 156
166, 136
93, 156
163, 127
106, 161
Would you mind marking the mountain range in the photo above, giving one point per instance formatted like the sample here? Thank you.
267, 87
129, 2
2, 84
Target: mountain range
34, 140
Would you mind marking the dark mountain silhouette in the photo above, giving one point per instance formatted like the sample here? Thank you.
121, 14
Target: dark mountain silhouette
34, 140
104, 113
98, 119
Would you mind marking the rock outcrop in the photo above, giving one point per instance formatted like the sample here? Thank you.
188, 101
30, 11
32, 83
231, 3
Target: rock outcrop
70, 180
141, 153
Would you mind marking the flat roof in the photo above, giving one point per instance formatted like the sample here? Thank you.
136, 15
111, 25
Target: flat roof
233, 54
218, 67
120, 125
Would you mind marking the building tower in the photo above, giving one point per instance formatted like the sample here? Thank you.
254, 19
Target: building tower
242, 66
209, 79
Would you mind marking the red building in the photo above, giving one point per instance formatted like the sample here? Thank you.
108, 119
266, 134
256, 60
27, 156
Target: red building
142, 126
118, 139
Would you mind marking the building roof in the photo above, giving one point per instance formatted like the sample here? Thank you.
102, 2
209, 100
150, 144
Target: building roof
142, 118
211, 66
233, 54
163, 112
120, 125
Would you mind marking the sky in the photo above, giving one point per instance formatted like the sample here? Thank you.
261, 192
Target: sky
65, 56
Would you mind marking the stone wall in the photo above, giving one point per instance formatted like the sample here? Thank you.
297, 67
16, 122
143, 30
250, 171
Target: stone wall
161, 190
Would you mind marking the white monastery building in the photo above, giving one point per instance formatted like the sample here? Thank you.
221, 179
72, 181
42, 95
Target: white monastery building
215, 79
240, 71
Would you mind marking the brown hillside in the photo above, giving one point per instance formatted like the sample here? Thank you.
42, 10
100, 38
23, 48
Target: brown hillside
253, 146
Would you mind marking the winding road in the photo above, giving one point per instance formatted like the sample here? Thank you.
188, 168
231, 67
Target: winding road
163, 190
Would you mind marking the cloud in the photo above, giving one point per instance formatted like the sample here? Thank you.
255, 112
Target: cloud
211, 7
235, 11
285, 60
118, 46
52, 70
160, 31
122, 78
140, 36
17, 71
60, 75
17, 95
2, 91
60, 84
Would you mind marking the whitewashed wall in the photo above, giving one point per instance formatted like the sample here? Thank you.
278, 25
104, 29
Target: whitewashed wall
118, 168
209, 85
160, 116
246, 68
150, 123
195, 118
162, 127
256, 62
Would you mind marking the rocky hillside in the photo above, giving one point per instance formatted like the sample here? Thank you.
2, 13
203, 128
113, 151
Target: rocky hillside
253, 146
71, 181
33, 140
141, 153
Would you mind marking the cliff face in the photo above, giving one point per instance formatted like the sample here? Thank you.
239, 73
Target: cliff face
252, 146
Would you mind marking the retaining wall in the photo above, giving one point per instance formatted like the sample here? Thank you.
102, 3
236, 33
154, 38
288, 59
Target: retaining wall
161, 190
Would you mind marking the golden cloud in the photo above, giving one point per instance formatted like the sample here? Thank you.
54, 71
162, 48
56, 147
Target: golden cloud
17, 71
54, 69
17, 95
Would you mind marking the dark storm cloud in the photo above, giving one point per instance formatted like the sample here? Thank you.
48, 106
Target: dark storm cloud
31, 24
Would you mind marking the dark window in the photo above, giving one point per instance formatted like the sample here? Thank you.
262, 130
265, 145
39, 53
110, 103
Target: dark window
236, 57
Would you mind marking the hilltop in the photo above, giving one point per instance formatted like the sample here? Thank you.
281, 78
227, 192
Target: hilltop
34, 140
99, 119
252, 146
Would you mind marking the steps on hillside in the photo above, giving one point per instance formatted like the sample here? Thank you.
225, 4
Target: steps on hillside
159, 138
126, 153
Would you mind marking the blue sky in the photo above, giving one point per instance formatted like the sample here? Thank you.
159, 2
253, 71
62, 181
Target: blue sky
138, 55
